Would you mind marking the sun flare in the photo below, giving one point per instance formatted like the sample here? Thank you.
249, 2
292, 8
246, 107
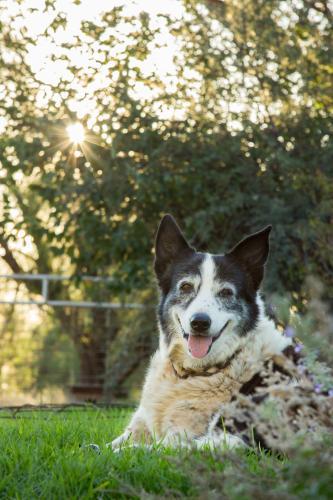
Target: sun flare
75, 132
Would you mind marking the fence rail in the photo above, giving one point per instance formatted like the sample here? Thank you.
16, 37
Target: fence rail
23, 411
46, 278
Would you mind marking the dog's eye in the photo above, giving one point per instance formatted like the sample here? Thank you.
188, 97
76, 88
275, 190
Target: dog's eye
226, 293
186, 287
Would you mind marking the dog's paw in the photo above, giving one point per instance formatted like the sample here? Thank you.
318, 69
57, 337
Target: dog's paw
119, 441
222, 440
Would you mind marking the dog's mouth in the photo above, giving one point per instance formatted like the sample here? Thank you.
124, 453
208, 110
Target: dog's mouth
200, 345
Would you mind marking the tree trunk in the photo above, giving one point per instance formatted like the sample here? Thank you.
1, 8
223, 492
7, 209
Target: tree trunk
92, 342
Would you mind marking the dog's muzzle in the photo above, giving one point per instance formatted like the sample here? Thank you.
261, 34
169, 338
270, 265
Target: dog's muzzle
199, 342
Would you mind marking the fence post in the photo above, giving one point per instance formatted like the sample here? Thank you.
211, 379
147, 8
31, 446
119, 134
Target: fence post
45, 289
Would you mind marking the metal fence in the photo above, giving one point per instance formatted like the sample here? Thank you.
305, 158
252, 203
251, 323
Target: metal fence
57, 359
26, 409
45, 279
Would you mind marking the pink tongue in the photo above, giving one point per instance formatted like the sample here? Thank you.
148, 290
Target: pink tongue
198, 345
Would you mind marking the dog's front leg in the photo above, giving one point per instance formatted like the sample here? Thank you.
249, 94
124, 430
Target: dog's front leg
220, 439
213, 440
120, 440
137, 432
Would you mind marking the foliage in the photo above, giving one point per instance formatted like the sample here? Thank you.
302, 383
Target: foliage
244, 138
17, 358
232, 133
56, 363
36, 356
313, 329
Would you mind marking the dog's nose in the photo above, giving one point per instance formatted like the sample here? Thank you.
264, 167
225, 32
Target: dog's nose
200, 322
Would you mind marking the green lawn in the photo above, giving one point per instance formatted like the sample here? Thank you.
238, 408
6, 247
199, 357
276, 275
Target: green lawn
41, 458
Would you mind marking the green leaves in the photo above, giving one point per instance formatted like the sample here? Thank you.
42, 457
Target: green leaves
229, 135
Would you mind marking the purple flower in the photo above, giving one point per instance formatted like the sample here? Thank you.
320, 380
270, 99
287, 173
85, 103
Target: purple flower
330, 393
289, 331
298, 347
318, 388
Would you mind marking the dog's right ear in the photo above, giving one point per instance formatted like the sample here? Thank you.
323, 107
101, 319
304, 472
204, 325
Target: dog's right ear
170, 245
252, 253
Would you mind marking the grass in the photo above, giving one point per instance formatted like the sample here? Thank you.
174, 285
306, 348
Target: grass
41, 458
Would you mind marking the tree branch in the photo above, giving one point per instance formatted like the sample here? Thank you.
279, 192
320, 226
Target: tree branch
11, 261
9, 257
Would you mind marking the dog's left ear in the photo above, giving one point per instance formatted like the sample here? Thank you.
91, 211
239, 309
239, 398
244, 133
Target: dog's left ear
252, 253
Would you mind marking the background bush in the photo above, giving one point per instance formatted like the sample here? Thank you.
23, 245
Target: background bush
235, 133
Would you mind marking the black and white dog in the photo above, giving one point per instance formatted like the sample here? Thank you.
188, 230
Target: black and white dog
214, 337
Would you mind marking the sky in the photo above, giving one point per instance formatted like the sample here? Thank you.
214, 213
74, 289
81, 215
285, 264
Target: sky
36, 23
45, 60
34, 17
44, 56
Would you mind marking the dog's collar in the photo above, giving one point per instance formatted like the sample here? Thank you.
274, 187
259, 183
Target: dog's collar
184, 373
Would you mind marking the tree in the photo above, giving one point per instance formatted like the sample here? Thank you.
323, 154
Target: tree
235, 134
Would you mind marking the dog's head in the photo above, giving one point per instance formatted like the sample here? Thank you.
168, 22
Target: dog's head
208, 302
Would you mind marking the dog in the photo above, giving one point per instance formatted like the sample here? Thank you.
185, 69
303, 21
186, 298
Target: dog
214, 338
